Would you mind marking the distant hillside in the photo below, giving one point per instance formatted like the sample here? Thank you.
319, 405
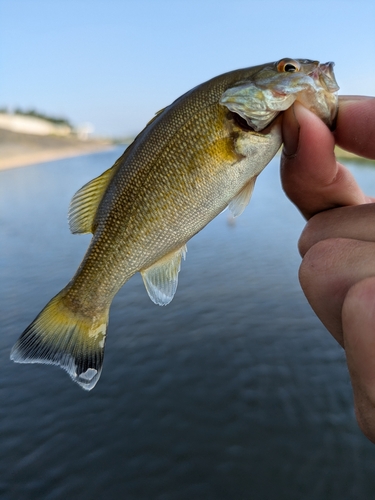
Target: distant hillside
18, 149
36, 114
35, 125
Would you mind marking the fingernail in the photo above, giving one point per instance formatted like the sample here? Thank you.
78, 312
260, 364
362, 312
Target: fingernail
290, 132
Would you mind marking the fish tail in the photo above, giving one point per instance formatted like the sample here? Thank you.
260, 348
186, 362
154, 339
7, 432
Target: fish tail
60, 336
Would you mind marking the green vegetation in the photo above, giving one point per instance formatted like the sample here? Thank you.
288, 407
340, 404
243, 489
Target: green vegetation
37, 114
341, 154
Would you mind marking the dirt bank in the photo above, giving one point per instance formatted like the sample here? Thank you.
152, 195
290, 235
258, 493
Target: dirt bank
18, 150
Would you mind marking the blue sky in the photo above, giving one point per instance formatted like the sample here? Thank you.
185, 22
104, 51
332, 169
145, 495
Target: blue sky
115, 63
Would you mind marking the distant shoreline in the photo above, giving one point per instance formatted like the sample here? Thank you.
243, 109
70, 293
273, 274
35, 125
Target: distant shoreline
341, 154
32, 158
20, 150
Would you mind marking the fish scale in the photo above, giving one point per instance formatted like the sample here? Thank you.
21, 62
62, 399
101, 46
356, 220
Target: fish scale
196, 157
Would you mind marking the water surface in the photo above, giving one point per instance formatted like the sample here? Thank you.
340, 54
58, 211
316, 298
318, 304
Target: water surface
233, 391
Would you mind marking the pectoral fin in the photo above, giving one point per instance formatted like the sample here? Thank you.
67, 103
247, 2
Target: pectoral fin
161, 278
85, 202
241, 200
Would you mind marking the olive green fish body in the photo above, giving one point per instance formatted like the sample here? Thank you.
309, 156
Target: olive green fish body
196, 157
169, 187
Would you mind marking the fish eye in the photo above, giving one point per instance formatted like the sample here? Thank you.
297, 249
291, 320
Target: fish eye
288, 66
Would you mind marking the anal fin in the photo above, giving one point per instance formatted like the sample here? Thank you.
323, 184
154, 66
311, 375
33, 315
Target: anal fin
241, 200
161, 278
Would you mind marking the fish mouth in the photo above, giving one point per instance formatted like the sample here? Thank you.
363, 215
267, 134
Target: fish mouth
274, 88
323, 75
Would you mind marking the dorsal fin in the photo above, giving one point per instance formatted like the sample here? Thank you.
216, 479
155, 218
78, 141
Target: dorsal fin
85, 202
156, 115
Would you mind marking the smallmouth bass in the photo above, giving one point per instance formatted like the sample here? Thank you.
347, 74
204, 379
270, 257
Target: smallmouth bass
196, 157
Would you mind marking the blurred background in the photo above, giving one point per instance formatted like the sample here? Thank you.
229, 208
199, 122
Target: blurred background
116, 63
233, 391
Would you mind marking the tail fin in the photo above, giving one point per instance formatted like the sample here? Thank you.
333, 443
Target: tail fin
59, 336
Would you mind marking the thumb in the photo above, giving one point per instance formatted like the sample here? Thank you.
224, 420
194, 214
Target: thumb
358, 319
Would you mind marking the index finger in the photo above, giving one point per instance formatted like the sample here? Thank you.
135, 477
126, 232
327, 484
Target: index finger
355, 126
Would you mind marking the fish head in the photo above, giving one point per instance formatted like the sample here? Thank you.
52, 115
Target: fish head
274, 87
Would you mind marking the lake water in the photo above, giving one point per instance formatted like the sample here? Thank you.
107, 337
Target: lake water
233, 391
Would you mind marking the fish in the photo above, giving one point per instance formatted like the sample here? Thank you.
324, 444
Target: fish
195, 158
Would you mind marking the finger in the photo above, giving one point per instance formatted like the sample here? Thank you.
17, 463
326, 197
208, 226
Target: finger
311, 177
357, 223
328, 270
355, 127
358, 317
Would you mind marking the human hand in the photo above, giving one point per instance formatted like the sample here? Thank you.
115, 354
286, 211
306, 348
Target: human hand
337, 273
